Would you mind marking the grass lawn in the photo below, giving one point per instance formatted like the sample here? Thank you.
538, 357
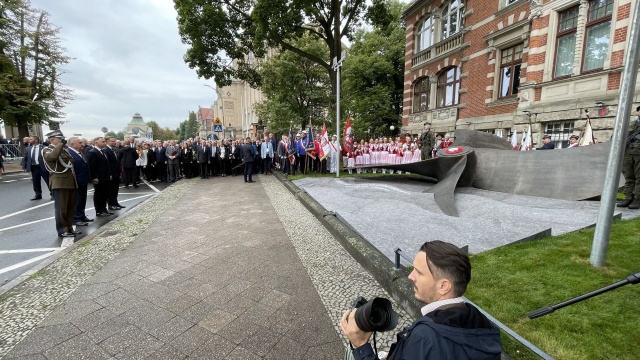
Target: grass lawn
513, 280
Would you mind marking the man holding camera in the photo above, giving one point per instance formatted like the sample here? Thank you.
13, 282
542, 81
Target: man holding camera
59, 164
449, 328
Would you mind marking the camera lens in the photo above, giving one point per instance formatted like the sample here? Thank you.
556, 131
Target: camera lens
376, 315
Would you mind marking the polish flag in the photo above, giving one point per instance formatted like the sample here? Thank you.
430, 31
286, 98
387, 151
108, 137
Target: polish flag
526, 140
325, 147
514, 140
347, 138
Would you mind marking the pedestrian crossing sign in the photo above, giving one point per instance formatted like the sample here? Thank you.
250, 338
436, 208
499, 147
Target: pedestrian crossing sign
217, 128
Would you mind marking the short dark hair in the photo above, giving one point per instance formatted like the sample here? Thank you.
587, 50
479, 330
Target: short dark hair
446, 260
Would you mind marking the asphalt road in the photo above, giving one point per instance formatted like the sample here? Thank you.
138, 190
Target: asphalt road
27, 228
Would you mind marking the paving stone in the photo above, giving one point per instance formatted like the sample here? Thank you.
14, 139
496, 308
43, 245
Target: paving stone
167, 352
191, 339
198, 312
180, 304
94, 319
275, 299
171, 329
217, 320
107, 329
261, 341
80, 347
216, 348
44, 338
71, 311
91, 291
130, 341
240, 353
237, 331
287, 349
147, 316
160, 274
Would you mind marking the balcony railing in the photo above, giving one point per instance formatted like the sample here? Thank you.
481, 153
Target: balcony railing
444, 46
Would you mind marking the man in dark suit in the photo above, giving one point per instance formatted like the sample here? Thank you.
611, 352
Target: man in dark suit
100, 176
114, 170
203, 154
248, 154
161, 162
34, 162
128, 158
83, 178
546, 143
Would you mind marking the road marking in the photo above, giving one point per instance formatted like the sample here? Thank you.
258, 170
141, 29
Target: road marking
53, 217
26, 262
19, 251
25, 210
151, 186
9, 181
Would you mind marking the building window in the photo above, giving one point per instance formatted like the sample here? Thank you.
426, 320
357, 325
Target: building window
451, 20
426, 34
566, 43
560, 132
597, 34
509, 2
510, 63
421, 95
448, 87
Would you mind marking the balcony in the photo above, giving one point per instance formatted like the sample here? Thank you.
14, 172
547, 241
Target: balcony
436, 51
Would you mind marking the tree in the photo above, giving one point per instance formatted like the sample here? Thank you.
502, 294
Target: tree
161, 133
120, 136
111, 134
189, 128
374, 72
30, 65
241, 29
296, 88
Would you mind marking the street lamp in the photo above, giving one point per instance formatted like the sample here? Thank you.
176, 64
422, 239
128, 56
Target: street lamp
392, 128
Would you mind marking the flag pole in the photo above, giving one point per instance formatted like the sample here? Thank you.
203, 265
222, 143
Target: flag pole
618, 140
337, 64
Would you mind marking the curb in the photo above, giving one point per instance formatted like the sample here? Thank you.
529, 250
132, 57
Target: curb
53, 258
393, 280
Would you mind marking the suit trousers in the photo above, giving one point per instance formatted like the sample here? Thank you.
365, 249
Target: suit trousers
161, 172
65, 202
248, 171
81, 203
173, 171
37, 175
129, 176
266, 162
204, 172
100, 194
112, 192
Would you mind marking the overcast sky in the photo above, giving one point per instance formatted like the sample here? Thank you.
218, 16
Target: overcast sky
128, 59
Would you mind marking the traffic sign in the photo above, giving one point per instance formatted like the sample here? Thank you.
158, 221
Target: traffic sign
217, 121
217, 128
148, 135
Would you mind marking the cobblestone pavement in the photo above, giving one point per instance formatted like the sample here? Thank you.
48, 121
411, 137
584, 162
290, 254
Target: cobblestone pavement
204, 278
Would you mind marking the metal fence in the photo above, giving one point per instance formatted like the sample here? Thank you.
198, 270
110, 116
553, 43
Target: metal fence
11, 151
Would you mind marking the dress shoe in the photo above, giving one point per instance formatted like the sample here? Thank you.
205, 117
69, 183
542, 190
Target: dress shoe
81, 223
121, 206
251, 181
67, 234
114, 208
77, 232
37, 197
102, 214
86, 219
625, 202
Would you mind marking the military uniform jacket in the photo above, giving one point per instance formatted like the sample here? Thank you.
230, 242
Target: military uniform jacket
427, 141
60, 176
632, 146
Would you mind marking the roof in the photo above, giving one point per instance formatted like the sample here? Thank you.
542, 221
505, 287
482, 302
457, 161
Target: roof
137, 119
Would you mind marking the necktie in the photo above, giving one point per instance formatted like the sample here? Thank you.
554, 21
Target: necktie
34, 158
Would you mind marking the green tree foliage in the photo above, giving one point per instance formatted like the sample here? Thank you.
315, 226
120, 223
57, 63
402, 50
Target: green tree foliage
162, 133
239, 29
120, 136
30, 65
111, 134
188, 128
297, 89
373, 73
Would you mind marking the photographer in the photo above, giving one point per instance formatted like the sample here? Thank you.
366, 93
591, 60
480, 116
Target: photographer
449, 328
59, 164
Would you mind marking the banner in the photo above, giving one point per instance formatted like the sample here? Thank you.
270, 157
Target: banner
586, 137
347, 138
325, 146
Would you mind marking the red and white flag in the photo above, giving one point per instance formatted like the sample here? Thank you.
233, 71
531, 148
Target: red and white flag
587, 135
347, 138
526, 140
325, 147
514, 140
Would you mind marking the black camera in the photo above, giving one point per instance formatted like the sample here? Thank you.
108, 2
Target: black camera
375, 315
63, 141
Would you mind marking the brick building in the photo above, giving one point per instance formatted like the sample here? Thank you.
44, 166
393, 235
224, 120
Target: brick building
500, 65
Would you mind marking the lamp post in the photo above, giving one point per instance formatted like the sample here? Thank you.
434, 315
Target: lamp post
392, 128
337, 64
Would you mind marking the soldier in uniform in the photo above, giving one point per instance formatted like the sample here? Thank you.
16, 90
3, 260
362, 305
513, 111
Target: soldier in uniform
62, 181
631, 167
427, 142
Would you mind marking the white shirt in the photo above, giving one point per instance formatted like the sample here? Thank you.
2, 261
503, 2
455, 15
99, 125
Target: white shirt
434, 305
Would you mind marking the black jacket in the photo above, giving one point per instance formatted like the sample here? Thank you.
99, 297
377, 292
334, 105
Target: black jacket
203, 154
98, 165
247, 153
114, 164
128, 157
547, 146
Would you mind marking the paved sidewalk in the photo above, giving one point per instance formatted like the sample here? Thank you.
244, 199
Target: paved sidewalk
218, 269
